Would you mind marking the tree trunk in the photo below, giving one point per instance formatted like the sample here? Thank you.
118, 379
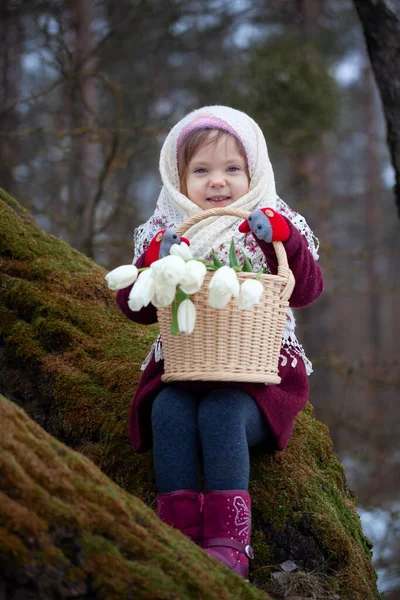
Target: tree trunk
10, 73
313, 185
72, 360
69, 532
84, 161
381, 23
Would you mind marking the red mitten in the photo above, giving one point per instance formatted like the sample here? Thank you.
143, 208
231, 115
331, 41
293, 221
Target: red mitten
161, 244
267, 225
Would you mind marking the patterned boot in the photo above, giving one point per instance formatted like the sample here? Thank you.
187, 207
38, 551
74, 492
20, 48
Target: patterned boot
226, 530
183, 510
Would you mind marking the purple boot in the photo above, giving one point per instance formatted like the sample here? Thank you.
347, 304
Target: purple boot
226, 529
183, 510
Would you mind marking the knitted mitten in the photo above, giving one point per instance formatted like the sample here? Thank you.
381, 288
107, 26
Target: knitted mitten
161, 244
267, 225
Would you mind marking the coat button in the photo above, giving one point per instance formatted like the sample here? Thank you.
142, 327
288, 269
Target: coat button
159, 237
269, 212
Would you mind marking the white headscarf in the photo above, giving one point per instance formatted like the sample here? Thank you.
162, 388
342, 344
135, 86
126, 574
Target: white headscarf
216, 233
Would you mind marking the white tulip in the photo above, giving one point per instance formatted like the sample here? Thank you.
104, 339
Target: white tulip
143, 291
225, 280
164, 294
181, 250
195, 272
186, 316
250, 293
218, 300
121, 277
169, 270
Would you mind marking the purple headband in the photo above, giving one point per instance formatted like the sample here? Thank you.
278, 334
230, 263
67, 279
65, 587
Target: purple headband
206, 123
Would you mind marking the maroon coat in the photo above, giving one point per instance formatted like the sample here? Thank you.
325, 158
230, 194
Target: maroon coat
279, 403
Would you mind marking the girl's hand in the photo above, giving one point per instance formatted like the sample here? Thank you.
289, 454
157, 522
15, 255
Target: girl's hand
161, 244
266, 224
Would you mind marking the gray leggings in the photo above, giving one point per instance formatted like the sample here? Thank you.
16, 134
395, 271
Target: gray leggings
216, 430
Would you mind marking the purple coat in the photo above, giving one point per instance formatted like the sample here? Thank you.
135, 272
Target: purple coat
278, 403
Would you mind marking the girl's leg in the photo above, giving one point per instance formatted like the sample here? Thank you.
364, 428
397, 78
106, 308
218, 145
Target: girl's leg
177, 462
176, 451
229, 422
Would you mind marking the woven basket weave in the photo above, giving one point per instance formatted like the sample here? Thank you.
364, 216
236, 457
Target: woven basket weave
229, 344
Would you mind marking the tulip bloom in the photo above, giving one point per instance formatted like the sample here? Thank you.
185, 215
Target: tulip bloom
143, 291
121, 277
169, 270
195, 272
218, 300
224, 284
186, 316
250, 293
181, 250
164, 294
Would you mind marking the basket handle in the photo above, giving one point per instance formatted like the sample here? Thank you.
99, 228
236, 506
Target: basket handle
283, 266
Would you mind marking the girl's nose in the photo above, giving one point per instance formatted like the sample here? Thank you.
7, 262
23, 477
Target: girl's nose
217, 181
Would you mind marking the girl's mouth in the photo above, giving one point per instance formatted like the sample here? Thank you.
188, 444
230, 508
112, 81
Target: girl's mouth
218, 198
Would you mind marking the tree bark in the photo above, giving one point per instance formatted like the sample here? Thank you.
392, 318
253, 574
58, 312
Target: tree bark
72, 360
381, 23
373, 235
85, 163
10, 73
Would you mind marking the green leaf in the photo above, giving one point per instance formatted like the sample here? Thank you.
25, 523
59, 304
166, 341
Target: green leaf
232, 255
216, 261
259, 274
247, 266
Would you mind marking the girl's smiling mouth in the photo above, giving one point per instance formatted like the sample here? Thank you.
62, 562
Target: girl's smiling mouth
218, 198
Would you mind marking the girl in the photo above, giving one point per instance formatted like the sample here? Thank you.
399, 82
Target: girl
217, 156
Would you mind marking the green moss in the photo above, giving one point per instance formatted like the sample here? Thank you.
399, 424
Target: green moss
72, 360
104, 543
12, 550
307, 494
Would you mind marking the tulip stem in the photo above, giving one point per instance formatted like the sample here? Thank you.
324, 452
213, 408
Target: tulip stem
180, 296
174, 319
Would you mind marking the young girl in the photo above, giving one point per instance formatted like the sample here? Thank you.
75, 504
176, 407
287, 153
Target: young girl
217, 156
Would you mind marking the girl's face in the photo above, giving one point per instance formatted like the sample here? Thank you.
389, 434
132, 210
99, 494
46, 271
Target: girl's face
217, 174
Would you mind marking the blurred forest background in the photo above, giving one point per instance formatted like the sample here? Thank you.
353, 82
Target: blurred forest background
89, 90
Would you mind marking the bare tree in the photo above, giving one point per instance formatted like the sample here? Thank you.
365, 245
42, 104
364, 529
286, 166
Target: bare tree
12, 33
381, 23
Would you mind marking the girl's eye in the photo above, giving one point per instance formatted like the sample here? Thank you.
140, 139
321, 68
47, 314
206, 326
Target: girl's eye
233, 169
200, 170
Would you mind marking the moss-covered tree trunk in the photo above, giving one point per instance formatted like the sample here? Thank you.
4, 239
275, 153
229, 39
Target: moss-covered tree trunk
72, 361
67, 531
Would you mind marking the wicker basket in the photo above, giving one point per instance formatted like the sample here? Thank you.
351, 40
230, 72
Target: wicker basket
229, 344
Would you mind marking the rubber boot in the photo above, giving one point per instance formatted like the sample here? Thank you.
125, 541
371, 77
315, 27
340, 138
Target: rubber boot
226, 529
183, 510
